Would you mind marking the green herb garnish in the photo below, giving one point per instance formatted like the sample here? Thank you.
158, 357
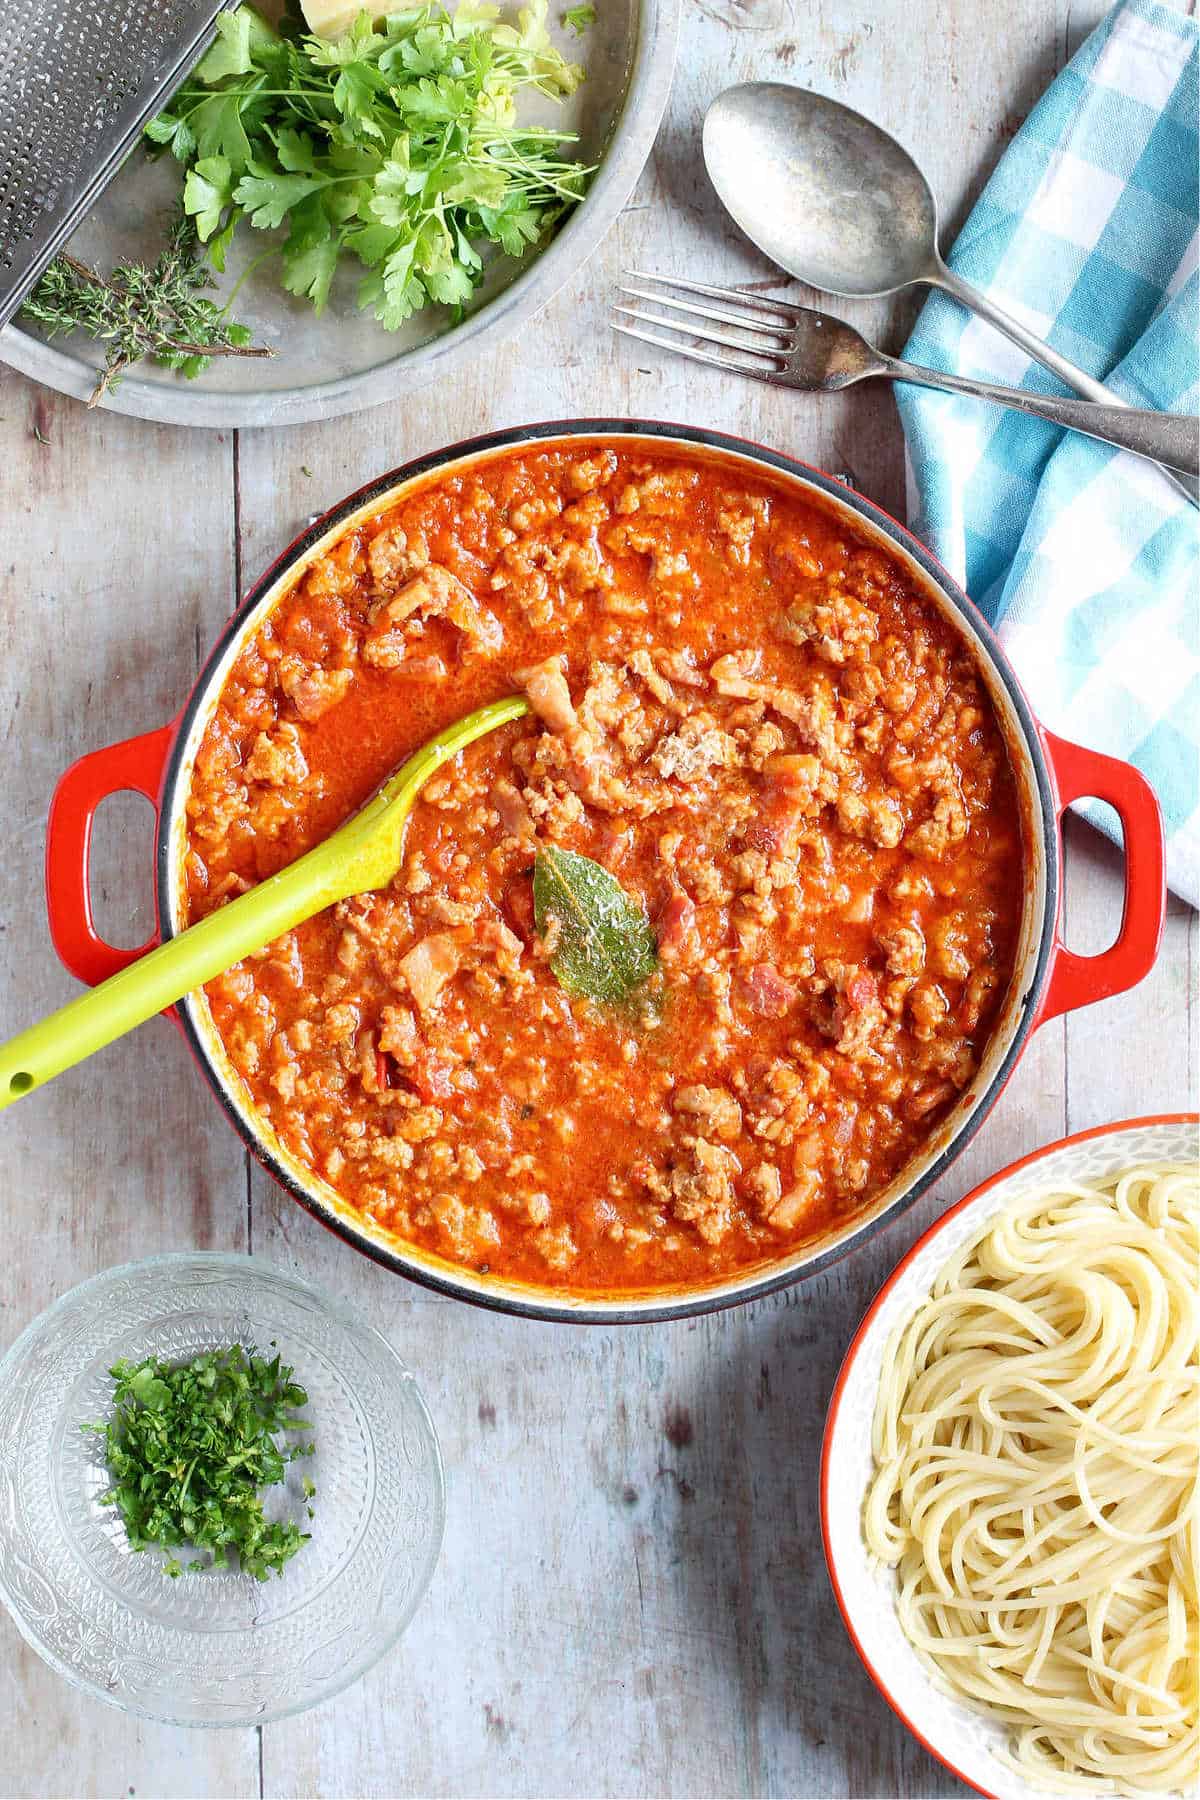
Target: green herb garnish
157, 310
604, 946
189, 1449
578, 19
396, 145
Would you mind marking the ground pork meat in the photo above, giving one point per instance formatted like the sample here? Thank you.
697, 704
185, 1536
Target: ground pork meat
904, 947
429, 965
929, 1006
679, 667
815, 716
392, 650
398, 1034
556, 1247
341, 1023
840, 629
506, 945
312, 691
549, 695
591, 471
511, 806
702, 1189
764, 1186
642, 664
948, 940
981, 986
874, 816
857, 1018
733, 674
918, 1106
469, 1231
667, 565
795, 782
619, 605
436, 593
394, 556
535, 511
213, 817
385, 649
715, 1110
590, 744
695, 747
737, 528
946, 826
277, 760
813, 713
609, 702
332, 574
589, 512
663, 674
788, 1211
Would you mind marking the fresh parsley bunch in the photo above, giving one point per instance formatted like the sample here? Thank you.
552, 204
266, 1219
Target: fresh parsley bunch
397, 144
190, 1447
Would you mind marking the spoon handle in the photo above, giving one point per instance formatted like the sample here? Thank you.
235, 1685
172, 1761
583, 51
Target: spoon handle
1169, 438
1034, 346
156, 980
363, 853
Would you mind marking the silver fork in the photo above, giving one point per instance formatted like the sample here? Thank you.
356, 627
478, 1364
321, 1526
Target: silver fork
799, 347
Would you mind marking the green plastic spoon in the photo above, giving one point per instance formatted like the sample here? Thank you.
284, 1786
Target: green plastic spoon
363, 853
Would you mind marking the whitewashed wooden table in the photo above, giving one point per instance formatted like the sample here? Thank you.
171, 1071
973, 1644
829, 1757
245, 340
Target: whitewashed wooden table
632, 1598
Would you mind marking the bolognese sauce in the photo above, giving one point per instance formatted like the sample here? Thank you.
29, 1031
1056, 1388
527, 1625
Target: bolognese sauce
757, 725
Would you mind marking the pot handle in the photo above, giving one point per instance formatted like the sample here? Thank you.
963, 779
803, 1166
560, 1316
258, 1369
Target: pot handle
135, 765
1079, 980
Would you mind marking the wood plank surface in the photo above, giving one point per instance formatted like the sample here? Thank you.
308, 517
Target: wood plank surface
117, 569
632, 1598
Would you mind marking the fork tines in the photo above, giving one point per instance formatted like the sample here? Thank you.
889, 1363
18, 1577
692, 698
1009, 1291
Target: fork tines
765, 327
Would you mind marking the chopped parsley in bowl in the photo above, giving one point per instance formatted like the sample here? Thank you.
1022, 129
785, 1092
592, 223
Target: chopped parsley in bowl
191, 1446
196, 1430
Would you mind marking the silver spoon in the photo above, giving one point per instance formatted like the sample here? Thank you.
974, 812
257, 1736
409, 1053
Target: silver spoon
839, 204
798, 347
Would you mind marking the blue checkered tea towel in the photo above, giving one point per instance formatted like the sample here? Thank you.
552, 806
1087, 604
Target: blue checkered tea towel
1084, 558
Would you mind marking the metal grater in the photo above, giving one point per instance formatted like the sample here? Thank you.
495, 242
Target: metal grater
78, 80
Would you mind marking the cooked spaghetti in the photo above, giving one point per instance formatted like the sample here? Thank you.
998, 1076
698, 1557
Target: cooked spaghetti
1037, 1440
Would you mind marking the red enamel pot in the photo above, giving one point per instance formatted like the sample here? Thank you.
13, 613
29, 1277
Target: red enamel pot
1049, 980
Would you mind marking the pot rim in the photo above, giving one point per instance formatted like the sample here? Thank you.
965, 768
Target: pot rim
627, 1309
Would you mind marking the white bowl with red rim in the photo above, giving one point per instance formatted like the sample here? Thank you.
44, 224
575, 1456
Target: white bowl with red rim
965, 1740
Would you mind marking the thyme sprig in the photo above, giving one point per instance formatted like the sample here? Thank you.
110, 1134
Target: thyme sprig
157, 310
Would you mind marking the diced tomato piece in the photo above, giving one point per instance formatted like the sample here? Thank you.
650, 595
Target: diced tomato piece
518, 907
677, 923
427, 1076
431, 1078
768, 994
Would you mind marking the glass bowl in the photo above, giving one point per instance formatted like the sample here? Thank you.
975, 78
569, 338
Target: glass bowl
214, 1647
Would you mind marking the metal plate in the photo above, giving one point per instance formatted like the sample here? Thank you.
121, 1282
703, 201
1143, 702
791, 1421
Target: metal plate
345, 361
